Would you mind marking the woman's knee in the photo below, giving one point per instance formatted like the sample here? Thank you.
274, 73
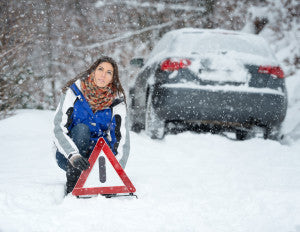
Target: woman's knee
81, 136
81, 130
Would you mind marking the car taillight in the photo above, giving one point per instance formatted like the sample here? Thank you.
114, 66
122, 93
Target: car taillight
174, 64
276, 71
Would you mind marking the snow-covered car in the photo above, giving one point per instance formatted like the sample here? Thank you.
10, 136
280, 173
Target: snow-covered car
217, 78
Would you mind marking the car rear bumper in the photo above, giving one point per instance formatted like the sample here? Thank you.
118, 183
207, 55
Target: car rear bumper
240, 106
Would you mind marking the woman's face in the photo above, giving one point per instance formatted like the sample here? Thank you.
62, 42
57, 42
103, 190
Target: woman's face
103, 75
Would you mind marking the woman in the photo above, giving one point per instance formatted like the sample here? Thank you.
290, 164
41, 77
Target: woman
92, 105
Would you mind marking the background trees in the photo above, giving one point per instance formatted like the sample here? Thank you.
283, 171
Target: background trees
44, 43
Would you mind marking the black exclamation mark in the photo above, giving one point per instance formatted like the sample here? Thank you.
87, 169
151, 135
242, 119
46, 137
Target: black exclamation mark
102, 169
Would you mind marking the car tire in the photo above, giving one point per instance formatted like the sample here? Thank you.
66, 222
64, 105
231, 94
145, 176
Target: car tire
136, 127
241, 134
273, 133
154, 126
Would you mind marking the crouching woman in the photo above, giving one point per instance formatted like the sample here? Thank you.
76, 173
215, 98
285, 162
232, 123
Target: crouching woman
92, 105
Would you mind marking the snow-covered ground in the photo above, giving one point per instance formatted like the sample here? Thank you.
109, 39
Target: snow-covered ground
186, 182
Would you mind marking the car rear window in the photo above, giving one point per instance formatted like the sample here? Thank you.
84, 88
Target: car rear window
216, 42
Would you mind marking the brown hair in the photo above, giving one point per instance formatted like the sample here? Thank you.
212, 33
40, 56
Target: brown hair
116, 84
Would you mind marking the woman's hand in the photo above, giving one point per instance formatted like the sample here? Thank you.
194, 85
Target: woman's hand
79, 162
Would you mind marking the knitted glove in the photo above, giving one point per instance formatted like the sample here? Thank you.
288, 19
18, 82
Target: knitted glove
79, 162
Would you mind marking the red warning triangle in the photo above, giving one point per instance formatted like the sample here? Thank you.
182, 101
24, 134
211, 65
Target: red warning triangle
80, 189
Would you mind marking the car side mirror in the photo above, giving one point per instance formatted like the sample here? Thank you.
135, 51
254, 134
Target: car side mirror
137, 62
131, 91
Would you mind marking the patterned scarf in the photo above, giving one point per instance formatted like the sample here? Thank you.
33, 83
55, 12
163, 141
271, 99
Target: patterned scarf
97, 97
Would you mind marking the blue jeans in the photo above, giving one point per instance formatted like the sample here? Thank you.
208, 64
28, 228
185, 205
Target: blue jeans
81, 135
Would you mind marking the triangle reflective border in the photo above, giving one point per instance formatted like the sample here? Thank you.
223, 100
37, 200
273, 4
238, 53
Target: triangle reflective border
80, 190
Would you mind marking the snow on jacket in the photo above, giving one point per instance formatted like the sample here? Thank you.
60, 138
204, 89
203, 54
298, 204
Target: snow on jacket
110, 123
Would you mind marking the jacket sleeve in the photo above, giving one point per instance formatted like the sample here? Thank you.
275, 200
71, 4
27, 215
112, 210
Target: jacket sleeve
62, 140
120, 131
